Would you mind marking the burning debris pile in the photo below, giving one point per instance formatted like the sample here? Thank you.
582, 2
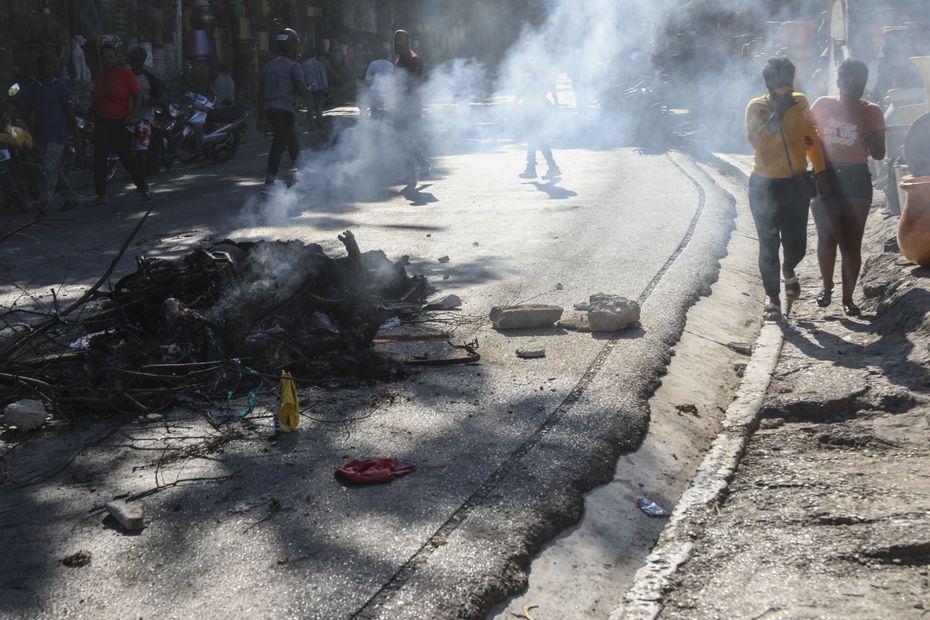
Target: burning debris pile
193, 324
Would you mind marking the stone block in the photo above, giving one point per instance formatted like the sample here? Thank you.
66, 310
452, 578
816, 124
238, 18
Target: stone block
526, 316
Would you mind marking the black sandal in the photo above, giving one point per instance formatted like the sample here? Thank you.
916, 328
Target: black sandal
824, 298
851, 309
771, 313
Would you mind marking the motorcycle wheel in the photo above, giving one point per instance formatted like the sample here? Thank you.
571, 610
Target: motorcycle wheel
226, 152
186, 151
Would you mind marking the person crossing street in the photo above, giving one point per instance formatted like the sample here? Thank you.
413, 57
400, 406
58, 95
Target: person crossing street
282, 82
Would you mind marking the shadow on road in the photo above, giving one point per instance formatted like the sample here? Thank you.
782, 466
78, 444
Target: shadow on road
553, 190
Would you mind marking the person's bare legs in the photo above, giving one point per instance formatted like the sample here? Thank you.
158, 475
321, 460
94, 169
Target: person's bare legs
855, 213
829, 229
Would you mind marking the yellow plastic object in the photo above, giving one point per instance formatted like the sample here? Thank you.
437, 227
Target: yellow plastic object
15, 136
288, 409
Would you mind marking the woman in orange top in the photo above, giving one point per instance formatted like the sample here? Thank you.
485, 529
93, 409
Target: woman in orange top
850, 129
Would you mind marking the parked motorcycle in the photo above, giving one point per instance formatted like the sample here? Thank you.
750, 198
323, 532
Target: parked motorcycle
84, 160
20, 173
201, 129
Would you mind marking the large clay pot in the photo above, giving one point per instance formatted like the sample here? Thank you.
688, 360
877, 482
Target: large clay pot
914, 225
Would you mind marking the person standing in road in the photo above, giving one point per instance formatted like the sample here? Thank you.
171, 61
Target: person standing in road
408, 113
315, 79
282, 82
49, 102
851, 130
145, 113
379, 82
783, 136
537, 119
116, 95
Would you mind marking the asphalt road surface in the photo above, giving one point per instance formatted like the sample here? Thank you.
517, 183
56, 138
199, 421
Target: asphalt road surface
503, 449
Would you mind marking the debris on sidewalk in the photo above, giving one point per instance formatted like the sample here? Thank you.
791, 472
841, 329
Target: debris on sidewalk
526, 316
130, 515
372, 471
687, 408
26, 414
531, 354
76, 560
443, 259
526, 612
651, 508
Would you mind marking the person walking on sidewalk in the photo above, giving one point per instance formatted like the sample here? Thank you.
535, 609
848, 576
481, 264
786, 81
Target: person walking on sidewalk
49, 102
851, 130
282, 82
782, 134
315, 78
116, 95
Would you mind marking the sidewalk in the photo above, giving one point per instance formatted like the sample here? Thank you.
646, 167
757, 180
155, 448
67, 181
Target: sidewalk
828, 513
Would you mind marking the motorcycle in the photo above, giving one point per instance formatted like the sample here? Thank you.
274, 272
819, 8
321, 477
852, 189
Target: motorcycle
20, 172
202, 129
84, 160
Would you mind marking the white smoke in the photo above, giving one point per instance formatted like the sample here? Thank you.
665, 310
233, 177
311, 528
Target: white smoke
586, 54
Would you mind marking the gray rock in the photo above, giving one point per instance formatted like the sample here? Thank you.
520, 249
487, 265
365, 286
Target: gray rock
526, 316
449, 302
575, 324
443, 259
131, 515
611, 313
531, 354
25, 414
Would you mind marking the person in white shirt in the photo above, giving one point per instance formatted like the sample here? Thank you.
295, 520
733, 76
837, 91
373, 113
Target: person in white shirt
378, 79
315, 77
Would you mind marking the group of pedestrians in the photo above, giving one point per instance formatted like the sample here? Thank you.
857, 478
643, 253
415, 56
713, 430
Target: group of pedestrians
284, 82
122, 99
837, 135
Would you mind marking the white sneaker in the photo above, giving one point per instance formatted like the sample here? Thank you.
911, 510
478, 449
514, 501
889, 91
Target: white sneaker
529, 173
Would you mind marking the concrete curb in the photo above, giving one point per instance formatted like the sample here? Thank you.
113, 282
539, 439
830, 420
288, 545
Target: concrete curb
643, 600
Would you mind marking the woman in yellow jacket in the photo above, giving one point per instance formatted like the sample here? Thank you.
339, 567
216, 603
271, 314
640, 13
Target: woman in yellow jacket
783, 137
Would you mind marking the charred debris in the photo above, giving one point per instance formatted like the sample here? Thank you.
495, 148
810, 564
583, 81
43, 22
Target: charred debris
215, 324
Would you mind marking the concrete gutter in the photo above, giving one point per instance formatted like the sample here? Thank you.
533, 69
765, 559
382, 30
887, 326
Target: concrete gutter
644, 599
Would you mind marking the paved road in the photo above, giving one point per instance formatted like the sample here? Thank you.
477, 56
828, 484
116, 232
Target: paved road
503, 448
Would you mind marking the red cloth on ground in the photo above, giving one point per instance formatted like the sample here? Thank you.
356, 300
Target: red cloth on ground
373, 471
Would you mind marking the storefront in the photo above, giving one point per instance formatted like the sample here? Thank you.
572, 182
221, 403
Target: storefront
195, 39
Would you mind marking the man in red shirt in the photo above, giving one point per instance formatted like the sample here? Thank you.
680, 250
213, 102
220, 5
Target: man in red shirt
116, 95
408, 71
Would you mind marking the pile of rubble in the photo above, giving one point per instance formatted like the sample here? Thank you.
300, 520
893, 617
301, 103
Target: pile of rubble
200, 323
